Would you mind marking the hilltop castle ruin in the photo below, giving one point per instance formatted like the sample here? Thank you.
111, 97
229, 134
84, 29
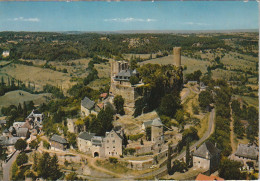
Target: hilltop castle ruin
120, 79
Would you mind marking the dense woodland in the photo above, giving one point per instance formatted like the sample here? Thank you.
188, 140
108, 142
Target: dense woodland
63, 47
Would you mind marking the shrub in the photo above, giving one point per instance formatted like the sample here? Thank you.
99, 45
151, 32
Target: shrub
113, 160
136, 137
46, 144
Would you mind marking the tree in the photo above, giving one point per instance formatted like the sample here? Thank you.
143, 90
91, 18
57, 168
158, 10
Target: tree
24, 110
119, 104
134, 80
125, 140
71, 176
169, 160
72, 139
34, 144
43, 168
21, 159
54, 171
205, 99
142, 142
229, 170
188, 156
148, 133
20, 145
133, 64
169, 105
2, 153
179, 116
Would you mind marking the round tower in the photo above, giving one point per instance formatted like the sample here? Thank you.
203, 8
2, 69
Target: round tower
177, 56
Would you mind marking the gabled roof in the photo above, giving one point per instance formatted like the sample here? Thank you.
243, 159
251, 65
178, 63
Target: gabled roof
125, 73
118, 134
157, 122
6, 131
206, 148
86, 135
247, 151
58, 139
22, 131
154, 122
87, 103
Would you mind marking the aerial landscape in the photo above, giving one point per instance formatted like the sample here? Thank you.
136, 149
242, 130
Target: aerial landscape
129, 91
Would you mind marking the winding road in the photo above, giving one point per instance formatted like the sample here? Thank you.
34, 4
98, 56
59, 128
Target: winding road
201, 140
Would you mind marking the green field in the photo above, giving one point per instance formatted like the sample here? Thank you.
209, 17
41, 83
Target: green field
14, 98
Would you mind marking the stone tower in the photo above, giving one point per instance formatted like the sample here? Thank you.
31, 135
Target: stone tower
177, 56
157, 131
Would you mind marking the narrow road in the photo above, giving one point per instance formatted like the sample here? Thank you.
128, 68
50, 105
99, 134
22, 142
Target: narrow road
7, 167
185, 94
201, 140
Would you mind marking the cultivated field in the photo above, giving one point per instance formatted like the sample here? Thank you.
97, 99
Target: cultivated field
19, 96
37, 76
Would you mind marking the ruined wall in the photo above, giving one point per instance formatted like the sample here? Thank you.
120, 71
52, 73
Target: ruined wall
126, 91
201, 162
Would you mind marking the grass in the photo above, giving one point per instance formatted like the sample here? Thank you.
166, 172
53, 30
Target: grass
191, 63
203, 125
37, 75
116, 168
14, 98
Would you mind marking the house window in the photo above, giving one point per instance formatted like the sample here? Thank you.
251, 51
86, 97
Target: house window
114, 141
113, 146
112, 135
109, 153
107, 141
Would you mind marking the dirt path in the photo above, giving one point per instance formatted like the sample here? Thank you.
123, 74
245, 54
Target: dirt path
233, 145
91, 161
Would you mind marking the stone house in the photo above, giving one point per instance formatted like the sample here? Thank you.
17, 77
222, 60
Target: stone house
88, 107
58, 143
36, 116
97, 148
207, 157
249, 152
23, 133
113, 143
84, 141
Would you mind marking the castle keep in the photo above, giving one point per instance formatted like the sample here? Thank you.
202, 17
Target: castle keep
120, 85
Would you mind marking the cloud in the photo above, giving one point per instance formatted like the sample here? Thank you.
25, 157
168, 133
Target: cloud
127, 20
194, 23
26, 19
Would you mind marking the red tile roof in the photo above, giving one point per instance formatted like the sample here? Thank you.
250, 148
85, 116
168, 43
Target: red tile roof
104, 95
208, 178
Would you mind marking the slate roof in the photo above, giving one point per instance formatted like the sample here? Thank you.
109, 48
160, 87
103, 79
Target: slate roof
36, 112
154, 122
10, 141
6, 131
86, 135
247, 151
3, 121
87, 103
205, 148
58, 139
157, 122
22, 132
125, 73
97, 140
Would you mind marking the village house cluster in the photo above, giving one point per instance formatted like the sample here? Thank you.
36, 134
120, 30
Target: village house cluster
25, 130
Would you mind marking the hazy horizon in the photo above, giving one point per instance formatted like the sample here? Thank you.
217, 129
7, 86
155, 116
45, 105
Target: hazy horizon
128, 16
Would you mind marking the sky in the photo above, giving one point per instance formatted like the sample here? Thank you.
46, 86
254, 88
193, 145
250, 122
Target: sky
135, 15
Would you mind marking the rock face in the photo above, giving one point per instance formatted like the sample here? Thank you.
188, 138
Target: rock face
177, 56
